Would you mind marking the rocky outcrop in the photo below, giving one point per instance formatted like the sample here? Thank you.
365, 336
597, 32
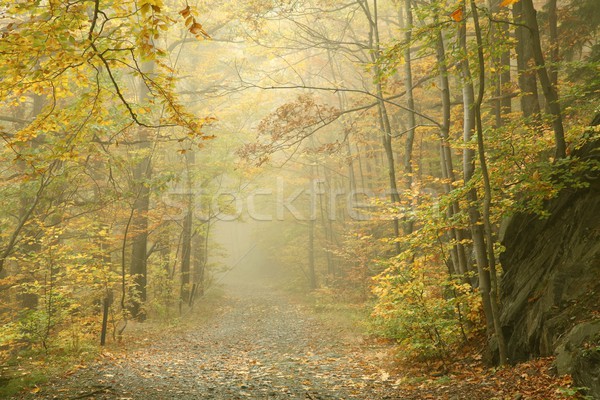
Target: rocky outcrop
578, 354
550, 290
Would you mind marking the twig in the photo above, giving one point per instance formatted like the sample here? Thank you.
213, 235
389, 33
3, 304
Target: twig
89, 394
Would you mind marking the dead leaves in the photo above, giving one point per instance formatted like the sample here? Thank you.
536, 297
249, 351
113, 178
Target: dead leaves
506, 3
469, 378
194, 27
457, 15
266, 348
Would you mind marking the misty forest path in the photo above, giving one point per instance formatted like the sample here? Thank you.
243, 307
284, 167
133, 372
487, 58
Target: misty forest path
259, 345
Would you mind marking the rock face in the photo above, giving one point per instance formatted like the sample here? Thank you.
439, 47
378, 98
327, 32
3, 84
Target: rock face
550, 291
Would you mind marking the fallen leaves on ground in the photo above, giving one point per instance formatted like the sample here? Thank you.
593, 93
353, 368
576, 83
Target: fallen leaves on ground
261, 345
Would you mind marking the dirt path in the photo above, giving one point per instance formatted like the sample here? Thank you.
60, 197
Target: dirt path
259, 346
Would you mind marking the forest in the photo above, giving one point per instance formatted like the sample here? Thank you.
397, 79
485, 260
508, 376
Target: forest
312, 199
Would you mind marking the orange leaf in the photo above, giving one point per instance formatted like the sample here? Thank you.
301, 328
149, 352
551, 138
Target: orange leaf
457, 14
185, 12
505, 3
196, 29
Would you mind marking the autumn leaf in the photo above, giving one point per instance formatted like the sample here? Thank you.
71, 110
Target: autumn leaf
192, 24
185, 12
506, 3
198, 30
457, 14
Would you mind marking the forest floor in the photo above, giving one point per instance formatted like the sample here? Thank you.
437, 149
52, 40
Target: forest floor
260, 344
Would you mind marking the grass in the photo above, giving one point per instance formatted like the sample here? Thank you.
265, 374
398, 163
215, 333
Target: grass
14, 384
35, 366
351, 317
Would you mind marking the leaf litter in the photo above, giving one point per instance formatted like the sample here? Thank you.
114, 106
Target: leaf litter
262, 345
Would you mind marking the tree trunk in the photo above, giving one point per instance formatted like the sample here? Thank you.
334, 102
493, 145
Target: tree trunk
487, 200
384, 121
500, 62
200, 247
142, 174
328, 228
548, 89
139, 247
459, 258
186, 252
410, 104
188, 222
553, 30
530, 105
105, 309
312, 274
477, 232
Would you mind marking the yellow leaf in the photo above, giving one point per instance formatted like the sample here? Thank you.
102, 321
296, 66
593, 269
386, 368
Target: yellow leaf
145, 9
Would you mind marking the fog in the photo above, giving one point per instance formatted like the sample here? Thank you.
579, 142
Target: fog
162, 161
245, 260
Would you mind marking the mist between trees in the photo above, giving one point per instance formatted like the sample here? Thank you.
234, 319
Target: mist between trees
369, 150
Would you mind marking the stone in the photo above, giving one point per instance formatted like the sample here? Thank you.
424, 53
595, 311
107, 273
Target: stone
586, 371
571, 347
550, 291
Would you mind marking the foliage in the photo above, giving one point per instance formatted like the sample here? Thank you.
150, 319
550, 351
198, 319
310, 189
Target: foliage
104, 147
73, 114
418, 303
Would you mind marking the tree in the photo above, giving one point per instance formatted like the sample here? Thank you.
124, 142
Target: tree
530, 106
550, 94
410, 104
490, 261
142, 176
469, 123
